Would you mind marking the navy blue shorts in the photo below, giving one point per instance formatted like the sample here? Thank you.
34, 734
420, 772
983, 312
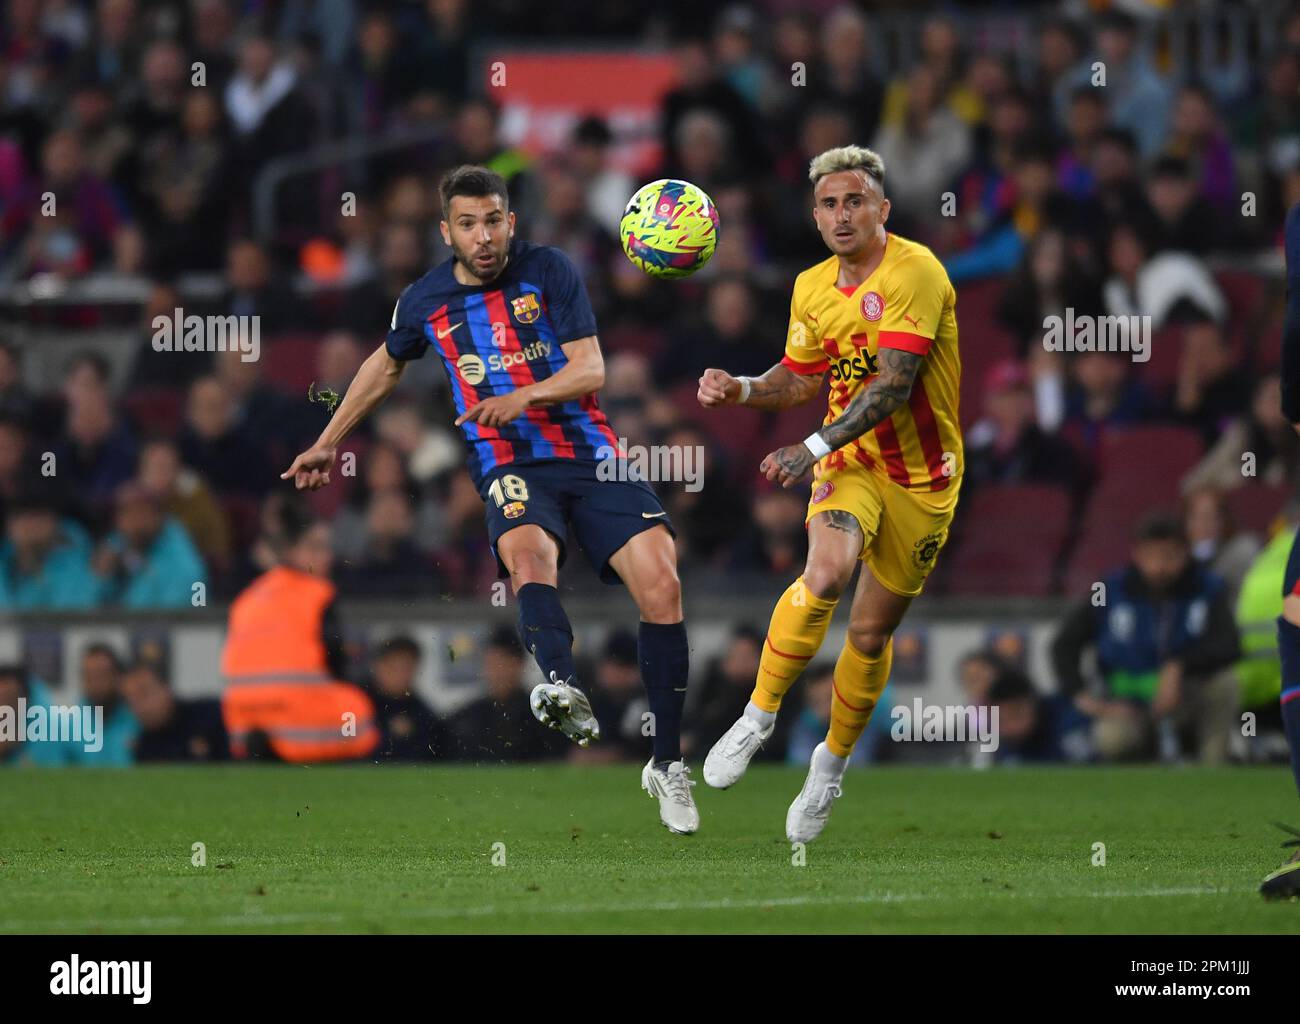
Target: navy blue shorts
559, 494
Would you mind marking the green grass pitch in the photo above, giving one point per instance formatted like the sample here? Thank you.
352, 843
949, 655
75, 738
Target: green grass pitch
372, 849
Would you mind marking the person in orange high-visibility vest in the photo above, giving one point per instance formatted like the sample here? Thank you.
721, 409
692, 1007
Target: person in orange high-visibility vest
282, 662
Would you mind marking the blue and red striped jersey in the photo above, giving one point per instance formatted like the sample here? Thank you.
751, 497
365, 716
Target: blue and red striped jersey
496, 337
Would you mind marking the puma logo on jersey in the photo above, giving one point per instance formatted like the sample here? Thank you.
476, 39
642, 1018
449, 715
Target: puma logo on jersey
915, 323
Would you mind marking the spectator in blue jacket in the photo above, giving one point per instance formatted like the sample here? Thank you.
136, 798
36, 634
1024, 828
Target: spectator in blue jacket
1033, 727
1164, 636
1139, 96
814, 719
101, 687
149, 560
44, 560
17, 685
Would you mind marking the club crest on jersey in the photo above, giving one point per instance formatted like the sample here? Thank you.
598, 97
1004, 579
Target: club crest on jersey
513, 510
873, 306
526, 308
823, 491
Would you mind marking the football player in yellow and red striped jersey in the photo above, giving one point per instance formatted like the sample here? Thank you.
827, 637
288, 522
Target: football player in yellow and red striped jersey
879, 316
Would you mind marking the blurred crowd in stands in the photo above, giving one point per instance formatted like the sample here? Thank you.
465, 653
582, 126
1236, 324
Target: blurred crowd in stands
1164, 661
146, 473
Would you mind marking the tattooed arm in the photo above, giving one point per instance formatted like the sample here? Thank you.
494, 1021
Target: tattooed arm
872, 405
779, 388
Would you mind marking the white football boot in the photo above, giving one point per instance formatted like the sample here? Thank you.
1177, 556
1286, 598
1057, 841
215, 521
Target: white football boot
731, 755
812, 807
561, 705
672, 787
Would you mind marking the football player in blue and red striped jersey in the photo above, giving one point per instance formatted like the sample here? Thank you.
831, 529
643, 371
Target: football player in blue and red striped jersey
513, 327
1284, 883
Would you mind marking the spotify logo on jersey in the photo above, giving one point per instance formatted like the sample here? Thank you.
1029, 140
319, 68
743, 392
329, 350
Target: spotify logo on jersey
471, 368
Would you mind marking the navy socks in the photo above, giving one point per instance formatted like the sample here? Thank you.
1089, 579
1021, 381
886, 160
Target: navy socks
665, 662
545, 630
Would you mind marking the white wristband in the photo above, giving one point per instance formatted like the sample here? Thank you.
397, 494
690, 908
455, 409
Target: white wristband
745, 384
819, 448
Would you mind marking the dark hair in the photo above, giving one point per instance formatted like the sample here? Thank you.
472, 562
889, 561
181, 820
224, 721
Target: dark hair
621, 647
1115, 20
1034, 150
290, 519
593, 130
400, 644
1160, 526
13, 670
504, 638
1121, 137
1011, 685
152, 667
469, 180
99, 647
36, 499
1170, 166
1066, 26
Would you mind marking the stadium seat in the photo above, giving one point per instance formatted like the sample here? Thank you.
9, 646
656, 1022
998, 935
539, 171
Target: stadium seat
1160, 372
639, 341
736, 430
1244, 292
1011, 537
1268, 347
1092, 559
156, 411
289, 362
1148, 462
326, 501
1256, 507
244, 514
790, 425
1117, 505
982, 346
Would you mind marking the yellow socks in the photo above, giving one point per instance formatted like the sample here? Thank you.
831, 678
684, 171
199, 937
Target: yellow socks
859, 681
797, 629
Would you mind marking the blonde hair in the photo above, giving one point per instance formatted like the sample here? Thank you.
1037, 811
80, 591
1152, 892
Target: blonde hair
847, 158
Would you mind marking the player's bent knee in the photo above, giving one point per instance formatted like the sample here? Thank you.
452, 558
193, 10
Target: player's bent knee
661, 600
531, 565
826, 578
869, 640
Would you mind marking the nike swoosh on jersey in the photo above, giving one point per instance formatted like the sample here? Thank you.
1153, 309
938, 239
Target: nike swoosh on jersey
652, 515
442, 334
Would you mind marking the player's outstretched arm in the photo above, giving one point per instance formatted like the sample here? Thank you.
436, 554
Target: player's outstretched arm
581, 375
873, 405
372, 384
779, 388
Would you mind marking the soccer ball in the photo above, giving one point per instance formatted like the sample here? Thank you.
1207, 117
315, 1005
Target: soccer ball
669, 228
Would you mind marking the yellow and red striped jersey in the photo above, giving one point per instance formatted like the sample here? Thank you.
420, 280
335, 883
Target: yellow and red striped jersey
908, 303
